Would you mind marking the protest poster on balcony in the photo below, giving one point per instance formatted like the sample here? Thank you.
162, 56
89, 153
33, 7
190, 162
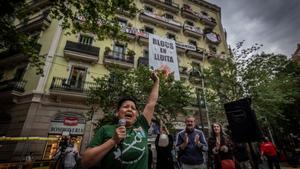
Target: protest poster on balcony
163, 56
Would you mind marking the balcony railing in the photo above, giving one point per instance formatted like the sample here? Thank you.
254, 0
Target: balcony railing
14, 56
199, 53
13, 85
208, 20
160, 20
63, 84
130, 31
167, 5
187, 11
192, 31
36, 23
120, 59
79, 51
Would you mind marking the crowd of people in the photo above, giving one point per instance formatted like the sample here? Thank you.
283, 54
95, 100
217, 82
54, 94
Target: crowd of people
125, 145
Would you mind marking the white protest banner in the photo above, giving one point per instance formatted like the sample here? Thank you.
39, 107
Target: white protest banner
162, 55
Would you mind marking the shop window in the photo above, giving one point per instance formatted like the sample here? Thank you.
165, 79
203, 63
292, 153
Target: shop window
86, 40
52, 146
118, 51
149, 29
77, 77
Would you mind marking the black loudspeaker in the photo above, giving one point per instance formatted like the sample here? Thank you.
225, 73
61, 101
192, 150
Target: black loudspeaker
242, 121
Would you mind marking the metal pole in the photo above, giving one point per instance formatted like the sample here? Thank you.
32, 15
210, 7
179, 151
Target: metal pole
204, 97
200, 111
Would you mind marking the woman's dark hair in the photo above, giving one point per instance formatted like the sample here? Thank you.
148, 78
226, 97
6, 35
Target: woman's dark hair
212, 129
123, 99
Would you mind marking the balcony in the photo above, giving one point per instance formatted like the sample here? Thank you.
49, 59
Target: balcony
166, 5
184, 74
187, 12
112, 58
13, 85
35, 23
213, 38
78, 51
192, 31
182, 47
160, 21
70, 88
35, 5
143, 61
198, 54
13, 57
130, 31
195, 76
143, 37
208, 20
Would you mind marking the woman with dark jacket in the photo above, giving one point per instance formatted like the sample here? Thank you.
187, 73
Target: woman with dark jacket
164, 145
220, 149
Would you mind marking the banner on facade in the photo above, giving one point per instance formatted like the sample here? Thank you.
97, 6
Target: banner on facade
162, 55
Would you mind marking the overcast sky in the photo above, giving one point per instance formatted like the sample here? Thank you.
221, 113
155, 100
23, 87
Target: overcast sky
273, 23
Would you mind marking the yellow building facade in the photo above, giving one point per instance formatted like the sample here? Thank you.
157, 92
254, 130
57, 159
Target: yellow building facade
54, 105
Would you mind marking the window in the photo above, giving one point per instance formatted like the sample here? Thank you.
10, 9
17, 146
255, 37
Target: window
193, 42
1, 75
148, 9
196, 68
189, 23
122, 22
77, 77
146, 53
204, 13
212, 49
118, 51
149, 30
171, 36
169, 2
19, 73
86, 40
168, 16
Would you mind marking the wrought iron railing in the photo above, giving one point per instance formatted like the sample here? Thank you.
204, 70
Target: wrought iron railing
17, 85
82, 48
64, 84
119, 56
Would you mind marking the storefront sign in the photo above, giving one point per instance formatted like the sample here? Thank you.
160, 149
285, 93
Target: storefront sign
71, 121
162, 55
59, 128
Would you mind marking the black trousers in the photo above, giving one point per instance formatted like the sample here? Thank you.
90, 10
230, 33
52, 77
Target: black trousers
273, 160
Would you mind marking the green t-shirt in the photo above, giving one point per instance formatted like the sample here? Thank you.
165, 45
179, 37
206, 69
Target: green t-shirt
134, 146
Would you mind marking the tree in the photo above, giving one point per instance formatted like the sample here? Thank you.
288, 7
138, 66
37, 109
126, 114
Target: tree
174, 96
97, 17
265, 78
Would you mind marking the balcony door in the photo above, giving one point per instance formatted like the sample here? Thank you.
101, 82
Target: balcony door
77, 77
119, 51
